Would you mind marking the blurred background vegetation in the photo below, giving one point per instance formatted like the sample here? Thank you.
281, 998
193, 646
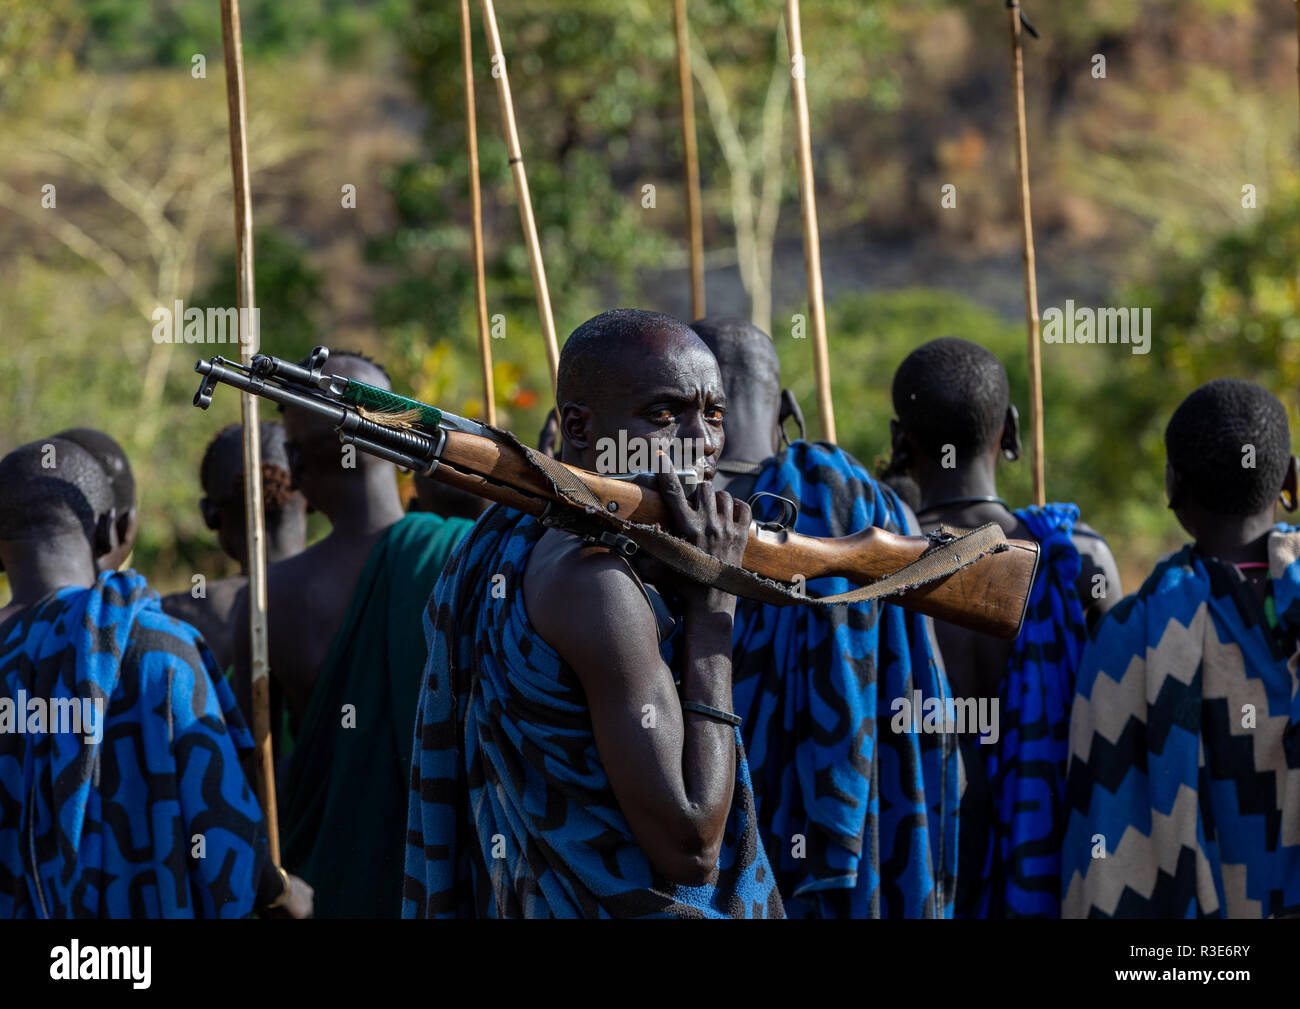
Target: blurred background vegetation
1137, 188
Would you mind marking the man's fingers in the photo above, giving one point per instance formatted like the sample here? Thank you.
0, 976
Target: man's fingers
670, 486
723, 504
741, 512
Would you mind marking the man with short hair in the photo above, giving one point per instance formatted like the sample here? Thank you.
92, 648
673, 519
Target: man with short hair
858, 820
1183, 794
221, 476
112, 459
142, 809
559, 771
954, 419
347, 646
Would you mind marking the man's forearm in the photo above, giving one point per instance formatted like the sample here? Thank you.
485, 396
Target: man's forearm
709, 747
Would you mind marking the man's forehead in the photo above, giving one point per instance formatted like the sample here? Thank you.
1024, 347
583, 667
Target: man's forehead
680, 369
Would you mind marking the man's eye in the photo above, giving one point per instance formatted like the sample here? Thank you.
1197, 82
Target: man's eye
716, 414
661, 416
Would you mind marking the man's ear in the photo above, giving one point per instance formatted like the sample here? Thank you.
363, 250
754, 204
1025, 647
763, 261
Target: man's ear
1173, 485
548, 440
211, 514
575, 425
899, 444
127, 525
105, 537
790, 411
1288, 495
1010, 443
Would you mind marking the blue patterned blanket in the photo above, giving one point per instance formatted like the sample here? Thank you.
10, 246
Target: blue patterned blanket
1183, 792
511, 812
143, 811
858, 819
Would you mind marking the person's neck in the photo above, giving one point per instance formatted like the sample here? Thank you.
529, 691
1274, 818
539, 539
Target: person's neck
364, 508
38, 567
279, 545
939, 484
1236, 539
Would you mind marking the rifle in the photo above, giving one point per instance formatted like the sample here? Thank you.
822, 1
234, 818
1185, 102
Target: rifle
978, 579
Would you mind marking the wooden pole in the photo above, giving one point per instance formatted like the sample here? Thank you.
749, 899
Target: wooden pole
476, 216
1031, 283
694, 222
521, 187
812, 256
253, 513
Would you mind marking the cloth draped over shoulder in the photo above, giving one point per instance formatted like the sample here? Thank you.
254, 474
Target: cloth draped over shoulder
511, 811
1185, 748
345, 811
858, 819
99, 818
1025, 767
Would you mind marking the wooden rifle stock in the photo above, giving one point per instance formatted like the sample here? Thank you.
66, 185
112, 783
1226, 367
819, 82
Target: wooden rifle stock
988, 596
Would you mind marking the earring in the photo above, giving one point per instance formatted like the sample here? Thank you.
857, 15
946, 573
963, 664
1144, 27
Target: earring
1288, 502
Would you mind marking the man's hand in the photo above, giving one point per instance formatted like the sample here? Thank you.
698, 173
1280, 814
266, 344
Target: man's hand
300, 902
715, 522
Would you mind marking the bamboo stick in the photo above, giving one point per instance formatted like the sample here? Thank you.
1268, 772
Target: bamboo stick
1031, 282
253, 512
695, 225
476, 217
808, 211
521, 187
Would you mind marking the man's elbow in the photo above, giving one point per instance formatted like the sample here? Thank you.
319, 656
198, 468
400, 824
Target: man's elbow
692, 862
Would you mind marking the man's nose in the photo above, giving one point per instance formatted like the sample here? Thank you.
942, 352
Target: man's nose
704, 435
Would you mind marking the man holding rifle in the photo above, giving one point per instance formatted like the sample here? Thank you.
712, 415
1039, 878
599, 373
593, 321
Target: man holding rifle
519, 691
576, 753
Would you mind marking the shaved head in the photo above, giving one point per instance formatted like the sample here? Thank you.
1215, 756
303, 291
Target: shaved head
353, 364
52, 488
609, 353
746, 355
112, 458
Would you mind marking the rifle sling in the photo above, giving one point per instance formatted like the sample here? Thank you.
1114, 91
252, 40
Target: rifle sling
950, 551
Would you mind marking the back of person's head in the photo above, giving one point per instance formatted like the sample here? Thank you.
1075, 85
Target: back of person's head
111, 458
317, 457
1230, 446
51, 489
746, 355
221, 473
951, 392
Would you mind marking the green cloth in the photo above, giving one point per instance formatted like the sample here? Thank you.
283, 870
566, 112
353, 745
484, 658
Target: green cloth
344, 817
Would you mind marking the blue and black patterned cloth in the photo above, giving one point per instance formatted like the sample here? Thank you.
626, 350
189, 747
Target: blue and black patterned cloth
1183, 792
155, 819
859, 820
1025, 767
511, 811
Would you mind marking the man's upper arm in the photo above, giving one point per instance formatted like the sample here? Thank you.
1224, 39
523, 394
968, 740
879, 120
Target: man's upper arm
595, 616
1097, 596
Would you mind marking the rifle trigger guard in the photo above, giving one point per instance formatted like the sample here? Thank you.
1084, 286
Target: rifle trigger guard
789, 512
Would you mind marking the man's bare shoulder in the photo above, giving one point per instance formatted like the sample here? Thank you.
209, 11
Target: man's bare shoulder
575, 589
1092, 545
